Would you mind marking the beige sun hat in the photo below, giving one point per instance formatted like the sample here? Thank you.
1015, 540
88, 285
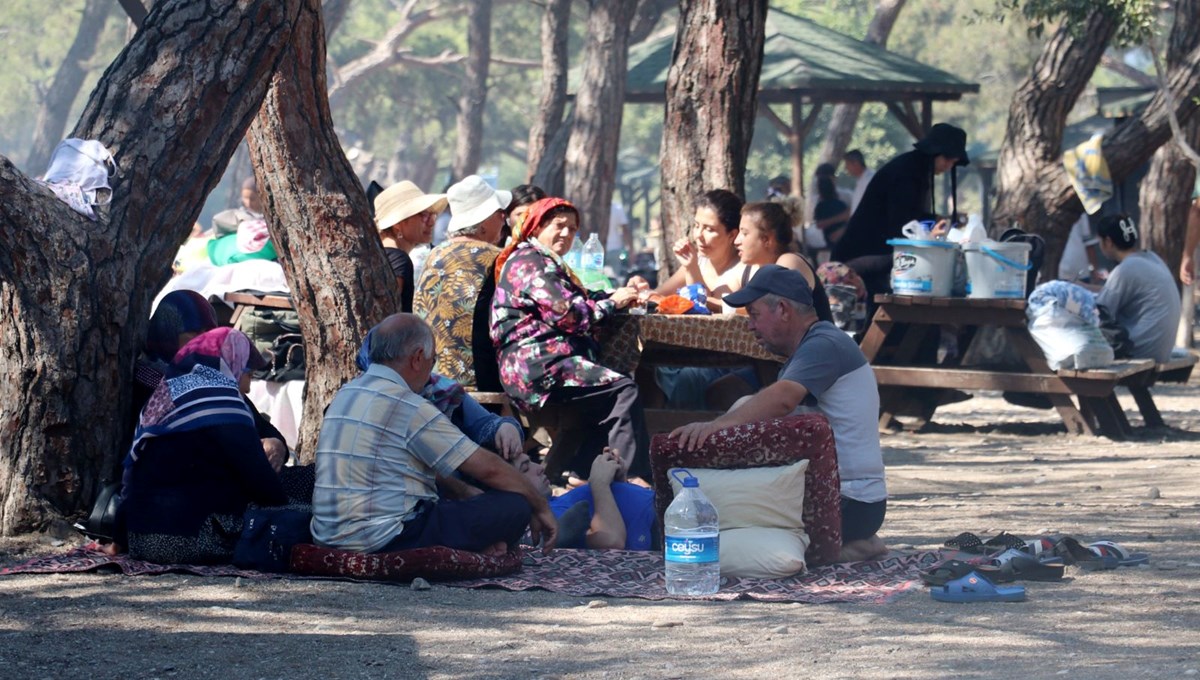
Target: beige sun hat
472, 201
401, 201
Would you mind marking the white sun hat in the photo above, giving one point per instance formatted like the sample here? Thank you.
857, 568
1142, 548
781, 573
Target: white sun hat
472, 201
401, 201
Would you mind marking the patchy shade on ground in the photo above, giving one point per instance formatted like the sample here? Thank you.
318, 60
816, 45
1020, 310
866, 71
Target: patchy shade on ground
983, 466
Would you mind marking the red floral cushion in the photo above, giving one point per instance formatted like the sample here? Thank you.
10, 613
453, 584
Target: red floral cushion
765, 444
435, 563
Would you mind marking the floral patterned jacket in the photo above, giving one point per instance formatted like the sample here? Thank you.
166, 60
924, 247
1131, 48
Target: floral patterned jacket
544, 327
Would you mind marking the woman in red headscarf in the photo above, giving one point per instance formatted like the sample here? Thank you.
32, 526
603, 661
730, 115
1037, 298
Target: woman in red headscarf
544, 325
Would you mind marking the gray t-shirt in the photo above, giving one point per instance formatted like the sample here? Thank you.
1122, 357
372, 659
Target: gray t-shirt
1140, 292
838, 378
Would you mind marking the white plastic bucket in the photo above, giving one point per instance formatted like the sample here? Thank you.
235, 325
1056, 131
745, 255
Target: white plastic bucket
997, 269
923, 268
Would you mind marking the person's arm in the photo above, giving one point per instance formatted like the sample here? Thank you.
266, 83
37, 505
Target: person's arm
483, 426
558, 303
607, 530
774, 401
673, 283
494, 473
1187, 267
240, 449
455, 488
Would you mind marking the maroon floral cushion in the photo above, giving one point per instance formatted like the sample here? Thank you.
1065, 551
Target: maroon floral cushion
435, 563
764, 444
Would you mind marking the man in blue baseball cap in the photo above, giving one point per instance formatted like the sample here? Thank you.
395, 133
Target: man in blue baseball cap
826, 370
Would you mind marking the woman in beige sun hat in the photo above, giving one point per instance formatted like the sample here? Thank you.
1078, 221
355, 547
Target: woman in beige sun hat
404, 216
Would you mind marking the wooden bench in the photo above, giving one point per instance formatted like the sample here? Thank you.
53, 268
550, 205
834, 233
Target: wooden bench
1177, 370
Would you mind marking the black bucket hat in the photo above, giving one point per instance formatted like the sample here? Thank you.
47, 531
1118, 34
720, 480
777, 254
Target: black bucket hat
945, 140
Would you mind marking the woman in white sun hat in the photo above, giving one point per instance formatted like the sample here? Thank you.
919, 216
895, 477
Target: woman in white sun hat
404, 216
454, 293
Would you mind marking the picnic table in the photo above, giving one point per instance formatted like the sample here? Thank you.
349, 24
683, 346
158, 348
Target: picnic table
909, 321
637, 345
243, 300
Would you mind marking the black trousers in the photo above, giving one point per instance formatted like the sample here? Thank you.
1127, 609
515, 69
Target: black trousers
610, 415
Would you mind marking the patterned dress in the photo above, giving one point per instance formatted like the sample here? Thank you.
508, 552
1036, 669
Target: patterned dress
544, 327
446, 296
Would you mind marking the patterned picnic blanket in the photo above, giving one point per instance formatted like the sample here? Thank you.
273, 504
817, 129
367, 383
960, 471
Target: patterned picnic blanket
580, 573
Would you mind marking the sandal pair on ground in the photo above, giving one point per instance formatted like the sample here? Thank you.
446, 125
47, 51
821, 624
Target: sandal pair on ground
1008, 566
1099, 555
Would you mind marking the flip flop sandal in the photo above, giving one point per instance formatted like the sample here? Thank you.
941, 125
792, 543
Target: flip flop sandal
1116, 550
1039, 547
1003, 541
950, 570
974, 587
966, 542
1073, 553
1021, 566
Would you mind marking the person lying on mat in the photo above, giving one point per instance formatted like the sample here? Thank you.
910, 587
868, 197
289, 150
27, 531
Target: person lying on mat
386, 460
826, 370
606, 513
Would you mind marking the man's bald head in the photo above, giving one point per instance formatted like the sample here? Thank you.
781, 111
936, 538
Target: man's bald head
398, 337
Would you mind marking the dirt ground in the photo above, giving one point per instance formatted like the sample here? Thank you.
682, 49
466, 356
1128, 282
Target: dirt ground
984, 466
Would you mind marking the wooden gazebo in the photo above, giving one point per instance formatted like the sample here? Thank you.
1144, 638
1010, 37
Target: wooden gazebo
808, 66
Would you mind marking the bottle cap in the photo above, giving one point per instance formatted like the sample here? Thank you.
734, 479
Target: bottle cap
688, 482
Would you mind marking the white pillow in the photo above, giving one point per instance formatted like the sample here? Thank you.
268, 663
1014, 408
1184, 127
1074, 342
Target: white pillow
770, 497
755, 552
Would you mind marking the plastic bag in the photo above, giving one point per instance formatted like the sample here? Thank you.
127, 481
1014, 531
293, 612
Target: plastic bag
1065, 323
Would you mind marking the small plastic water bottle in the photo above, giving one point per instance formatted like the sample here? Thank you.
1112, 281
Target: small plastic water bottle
691, 541
574, 258
593, 255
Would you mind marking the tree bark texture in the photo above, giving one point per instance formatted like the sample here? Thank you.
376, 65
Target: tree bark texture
591, 160
1032, 186
552, 169
75, 294
845, 116
1165, 197
56, 103
555, 30
1031, 154
712, 96
320, 221
468, 147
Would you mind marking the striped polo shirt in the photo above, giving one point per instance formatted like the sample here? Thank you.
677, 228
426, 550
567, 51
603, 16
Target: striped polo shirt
379, 452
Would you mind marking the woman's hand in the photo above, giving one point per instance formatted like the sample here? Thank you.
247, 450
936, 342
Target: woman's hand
623, 297
604, 468
638, 283
685, 253
276, 452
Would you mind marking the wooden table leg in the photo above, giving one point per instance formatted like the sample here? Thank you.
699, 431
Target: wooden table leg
1109, 416
1032, 355
1145, 404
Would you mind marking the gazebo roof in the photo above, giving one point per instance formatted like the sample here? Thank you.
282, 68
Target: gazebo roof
803, 61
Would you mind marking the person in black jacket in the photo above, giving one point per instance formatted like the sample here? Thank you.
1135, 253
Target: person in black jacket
900, 192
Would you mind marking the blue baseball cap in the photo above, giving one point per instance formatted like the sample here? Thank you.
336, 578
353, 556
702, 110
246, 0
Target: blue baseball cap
772, 278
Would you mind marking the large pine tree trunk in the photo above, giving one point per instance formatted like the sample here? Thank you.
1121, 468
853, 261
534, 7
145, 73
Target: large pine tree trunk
591, 164
845, 116
1031, 155
320, 221
56, 104
555, 31
469, 145
712, 96
1032, 186
1166, 196
75, 294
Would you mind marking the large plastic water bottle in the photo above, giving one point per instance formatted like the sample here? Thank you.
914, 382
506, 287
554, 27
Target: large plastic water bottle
691, 541
593, 256
574, 258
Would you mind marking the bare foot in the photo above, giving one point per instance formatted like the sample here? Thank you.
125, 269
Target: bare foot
495, 550
865, 549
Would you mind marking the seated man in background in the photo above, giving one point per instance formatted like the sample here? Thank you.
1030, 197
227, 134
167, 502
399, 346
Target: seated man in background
826, 370
606, 513
386, 460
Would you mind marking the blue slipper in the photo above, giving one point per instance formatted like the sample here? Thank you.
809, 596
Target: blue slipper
974, 587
